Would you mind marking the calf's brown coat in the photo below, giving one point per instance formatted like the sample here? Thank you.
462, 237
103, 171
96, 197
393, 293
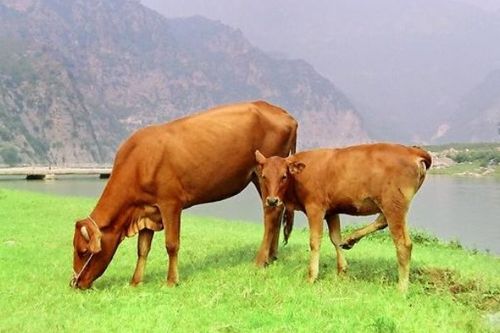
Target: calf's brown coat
358, 180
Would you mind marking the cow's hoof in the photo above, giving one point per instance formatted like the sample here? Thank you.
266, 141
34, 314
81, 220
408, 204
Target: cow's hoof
259, 263
311, 280
342, 271
348, 244
172, 284
135, 283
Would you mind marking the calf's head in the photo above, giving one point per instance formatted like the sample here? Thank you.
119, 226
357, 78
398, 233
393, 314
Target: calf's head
92, 252
275, 174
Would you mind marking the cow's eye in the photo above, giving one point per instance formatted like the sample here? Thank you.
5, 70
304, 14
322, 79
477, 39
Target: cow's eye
263, 177
283, 177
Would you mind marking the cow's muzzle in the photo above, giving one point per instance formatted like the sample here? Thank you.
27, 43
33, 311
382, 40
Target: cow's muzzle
74, 280
273, 201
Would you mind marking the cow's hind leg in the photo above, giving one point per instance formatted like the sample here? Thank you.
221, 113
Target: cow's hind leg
171, 218
378, 224
333, 222
288, 217
143, 246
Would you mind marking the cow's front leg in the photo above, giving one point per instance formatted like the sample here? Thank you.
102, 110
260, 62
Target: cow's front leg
315, 216
271, 226
171, 218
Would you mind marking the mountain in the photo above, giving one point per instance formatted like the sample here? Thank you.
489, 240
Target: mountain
78, 76
404, 63
478, 117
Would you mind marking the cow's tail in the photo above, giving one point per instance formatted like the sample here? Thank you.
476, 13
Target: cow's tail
288, 214
293, 144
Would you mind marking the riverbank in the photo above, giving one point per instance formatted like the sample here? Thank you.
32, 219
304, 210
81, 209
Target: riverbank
469, 160
451, 290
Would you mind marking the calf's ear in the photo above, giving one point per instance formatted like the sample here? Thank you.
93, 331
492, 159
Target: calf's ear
295, 167
261, 159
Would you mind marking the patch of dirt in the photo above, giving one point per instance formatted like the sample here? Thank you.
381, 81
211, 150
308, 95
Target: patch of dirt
468, 292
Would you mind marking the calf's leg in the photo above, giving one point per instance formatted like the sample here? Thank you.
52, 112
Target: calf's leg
333, 222
273, 252
315, 216
143, 246
378, 224
401, 238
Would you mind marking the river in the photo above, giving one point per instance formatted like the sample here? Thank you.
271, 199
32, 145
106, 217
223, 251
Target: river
452, 208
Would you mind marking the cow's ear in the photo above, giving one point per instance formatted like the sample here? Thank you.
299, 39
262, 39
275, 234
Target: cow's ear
261, 159
95, 241
91, 234
295, 167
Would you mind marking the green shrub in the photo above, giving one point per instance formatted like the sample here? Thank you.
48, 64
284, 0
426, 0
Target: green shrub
10, 156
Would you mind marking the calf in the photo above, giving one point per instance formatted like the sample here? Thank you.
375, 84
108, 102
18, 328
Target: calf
359, 180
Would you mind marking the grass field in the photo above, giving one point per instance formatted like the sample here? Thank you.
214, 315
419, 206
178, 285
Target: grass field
220, 290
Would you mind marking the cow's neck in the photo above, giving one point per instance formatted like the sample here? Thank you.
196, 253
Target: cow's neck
113, 203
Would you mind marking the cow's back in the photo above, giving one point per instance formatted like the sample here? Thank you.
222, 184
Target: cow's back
209, 155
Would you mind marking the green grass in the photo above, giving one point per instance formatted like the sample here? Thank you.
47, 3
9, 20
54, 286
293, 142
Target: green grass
452, 290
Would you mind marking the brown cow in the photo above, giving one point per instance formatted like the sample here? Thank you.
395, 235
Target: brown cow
358, 180
160, 170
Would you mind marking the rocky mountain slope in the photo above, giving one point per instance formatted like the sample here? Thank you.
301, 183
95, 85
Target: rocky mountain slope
77, 76
405, 64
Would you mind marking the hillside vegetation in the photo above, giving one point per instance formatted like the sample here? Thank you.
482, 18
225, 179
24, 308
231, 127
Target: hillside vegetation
466, 159
77, 77
220, 290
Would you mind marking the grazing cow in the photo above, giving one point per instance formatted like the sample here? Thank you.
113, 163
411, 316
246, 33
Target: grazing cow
160, 170
358, 180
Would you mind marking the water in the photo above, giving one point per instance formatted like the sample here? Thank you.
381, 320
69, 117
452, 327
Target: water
452, 208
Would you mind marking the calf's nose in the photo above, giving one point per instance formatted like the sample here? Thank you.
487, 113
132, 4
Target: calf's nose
272, 201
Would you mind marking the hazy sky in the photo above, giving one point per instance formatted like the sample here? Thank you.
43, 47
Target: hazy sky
485, 4
490, 5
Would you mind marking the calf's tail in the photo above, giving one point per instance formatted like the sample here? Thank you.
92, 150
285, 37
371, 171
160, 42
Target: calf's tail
426, 158
424, 163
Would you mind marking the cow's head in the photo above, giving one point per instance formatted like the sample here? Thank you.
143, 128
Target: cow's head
274, 175
92, 252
